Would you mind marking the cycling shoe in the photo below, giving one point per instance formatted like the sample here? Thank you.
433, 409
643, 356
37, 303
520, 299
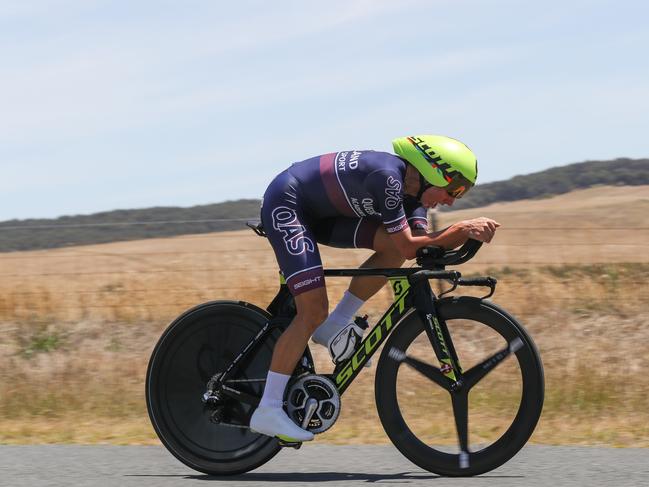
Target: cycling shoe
275, 422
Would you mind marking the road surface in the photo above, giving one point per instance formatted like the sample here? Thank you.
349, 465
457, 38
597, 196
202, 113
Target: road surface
315, 465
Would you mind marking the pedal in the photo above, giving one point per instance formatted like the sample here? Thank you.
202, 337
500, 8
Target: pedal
289, 444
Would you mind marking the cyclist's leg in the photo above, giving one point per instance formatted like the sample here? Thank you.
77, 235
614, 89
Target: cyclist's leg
346, 233
385, 254
361, 233
312, 308
270, 418
366, 233
298, 257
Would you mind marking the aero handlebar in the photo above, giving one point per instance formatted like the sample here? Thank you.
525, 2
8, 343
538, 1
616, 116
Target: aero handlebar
432, 257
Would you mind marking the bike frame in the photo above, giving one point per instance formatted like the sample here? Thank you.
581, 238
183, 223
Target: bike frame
412, 293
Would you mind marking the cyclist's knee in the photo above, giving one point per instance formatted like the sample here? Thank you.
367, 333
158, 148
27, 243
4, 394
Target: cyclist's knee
312, 307
314, 314
384, 245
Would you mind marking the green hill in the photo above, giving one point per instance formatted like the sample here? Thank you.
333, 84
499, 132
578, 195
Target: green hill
559, 180
123, 225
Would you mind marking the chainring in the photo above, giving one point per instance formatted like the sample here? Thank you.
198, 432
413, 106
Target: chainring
322, 390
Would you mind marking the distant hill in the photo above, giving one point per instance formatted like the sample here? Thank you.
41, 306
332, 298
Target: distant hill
123, 225
559, 180
120, 225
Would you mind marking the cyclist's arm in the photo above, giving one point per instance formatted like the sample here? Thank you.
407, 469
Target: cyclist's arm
417, 216
481, 229
448, 238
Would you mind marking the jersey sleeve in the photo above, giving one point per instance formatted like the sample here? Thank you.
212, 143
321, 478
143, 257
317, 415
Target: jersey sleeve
386, 187
416, 214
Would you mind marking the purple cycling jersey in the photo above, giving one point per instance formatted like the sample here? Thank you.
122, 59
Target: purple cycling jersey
354, 184
338, 199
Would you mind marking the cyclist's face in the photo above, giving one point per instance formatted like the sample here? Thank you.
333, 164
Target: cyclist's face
434, 196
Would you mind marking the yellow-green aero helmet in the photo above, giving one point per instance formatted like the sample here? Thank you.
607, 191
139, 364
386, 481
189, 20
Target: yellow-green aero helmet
442, 161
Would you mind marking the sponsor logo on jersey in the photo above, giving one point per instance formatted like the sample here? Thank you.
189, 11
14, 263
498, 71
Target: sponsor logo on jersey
341, 161
365, 207
346, 160
285, 220
368, 206
398, 227
353, 159
306, 282
357, 206
393, 193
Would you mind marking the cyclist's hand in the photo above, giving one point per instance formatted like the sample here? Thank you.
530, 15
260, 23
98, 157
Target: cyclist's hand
482, 229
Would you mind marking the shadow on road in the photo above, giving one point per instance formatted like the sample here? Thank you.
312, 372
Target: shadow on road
321, 477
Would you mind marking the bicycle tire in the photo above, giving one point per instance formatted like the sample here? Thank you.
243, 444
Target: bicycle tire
195, 346
432, 458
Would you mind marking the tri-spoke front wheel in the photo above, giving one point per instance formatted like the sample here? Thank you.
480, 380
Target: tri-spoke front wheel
472, 425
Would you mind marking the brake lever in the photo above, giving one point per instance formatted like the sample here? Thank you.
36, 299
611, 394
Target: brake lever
454, 282
489, 282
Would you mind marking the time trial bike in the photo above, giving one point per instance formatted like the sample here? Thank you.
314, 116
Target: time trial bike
207, 372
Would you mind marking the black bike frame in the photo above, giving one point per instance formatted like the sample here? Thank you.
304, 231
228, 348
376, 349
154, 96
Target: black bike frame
412, 293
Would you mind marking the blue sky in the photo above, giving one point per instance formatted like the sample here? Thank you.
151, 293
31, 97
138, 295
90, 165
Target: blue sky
107, 105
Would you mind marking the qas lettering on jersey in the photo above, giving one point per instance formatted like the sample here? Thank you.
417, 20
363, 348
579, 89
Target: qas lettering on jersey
393, 192
285, 220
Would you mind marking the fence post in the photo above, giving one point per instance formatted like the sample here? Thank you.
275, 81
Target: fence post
433, 226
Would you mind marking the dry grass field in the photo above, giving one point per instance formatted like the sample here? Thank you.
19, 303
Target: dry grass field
77, 324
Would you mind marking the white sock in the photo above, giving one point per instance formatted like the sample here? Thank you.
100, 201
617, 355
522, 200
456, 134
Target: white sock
274, 390
338, 318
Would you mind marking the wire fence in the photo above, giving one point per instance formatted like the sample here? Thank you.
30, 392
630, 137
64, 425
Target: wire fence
94, 255
80, 254
103, 279
57, 226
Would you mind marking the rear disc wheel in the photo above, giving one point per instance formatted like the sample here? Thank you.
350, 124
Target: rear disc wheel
195, 347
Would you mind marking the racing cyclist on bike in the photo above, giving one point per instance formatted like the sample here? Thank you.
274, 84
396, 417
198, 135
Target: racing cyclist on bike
354, 199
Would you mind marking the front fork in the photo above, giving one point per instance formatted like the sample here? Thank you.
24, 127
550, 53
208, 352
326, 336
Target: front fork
437, 332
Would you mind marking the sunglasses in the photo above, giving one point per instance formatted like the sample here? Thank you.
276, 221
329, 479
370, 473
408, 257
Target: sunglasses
458, 186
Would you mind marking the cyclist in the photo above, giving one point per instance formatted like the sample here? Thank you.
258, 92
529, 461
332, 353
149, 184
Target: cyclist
362, 199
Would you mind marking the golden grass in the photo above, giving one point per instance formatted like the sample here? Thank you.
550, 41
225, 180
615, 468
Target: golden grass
77, 325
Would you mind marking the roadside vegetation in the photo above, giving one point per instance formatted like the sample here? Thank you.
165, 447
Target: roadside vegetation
77, 325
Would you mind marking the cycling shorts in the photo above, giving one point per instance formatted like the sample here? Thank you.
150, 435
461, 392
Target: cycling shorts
294, 233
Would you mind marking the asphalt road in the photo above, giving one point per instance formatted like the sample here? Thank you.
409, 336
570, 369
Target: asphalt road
315, 465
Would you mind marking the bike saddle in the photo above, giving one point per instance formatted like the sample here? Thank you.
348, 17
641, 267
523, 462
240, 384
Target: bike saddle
257, 227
